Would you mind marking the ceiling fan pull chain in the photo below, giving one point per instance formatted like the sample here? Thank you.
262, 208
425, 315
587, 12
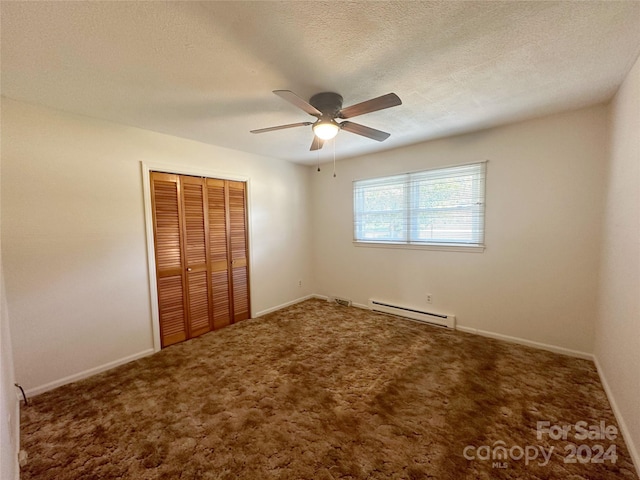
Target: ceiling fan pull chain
334, 157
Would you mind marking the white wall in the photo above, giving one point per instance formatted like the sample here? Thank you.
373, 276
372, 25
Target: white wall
617, 346
73, 236
537, 277
9, 405
9, 408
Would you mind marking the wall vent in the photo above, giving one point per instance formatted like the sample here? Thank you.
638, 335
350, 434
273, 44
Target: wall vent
345, 302
440, 319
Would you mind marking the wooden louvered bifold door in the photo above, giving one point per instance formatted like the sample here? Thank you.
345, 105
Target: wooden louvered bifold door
195, 235
239, 257
200, 230
219, 252
165, 202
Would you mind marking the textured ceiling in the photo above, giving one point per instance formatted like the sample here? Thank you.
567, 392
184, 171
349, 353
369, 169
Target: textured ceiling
205, 70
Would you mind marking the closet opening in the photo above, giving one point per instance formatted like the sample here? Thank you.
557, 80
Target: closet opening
201, 253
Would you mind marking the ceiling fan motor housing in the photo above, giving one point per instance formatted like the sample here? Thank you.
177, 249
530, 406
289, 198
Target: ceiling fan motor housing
329, 103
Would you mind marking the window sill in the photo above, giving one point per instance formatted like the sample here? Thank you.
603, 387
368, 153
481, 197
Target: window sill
419, 246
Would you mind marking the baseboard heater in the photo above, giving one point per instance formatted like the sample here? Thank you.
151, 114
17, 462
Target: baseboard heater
440, 319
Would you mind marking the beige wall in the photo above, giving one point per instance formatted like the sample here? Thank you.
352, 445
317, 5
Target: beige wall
617, 346
73, 236
537, 278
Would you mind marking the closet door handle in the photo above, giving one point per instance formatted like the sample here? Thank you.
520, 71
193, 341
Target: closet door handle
188, 269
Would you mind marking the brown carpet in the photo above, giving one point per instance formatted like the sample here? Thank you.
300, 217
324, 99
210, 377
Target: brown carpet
318, 391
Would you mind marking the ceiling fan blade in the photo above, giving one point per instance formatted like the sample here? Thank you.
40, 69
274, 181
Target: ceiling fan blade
280, 127
316, 144
380, 103
358, 129
291, 97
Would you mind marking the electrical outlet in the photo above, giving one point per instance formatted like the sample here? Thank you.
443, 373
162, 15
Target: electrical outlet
299, 283
429, 298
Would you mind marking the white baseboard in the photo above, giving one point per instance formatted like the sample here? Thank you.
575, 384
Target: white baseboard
287, 304
32, 392
528, 343
626, 435
15, 439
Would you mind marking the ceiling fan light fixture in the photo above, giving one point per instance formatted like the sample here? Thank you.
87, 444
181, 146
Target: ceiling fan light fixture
326, 129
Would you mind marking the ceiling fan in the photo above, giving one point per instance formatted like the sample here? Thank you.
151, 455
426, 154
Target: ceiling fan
327, 107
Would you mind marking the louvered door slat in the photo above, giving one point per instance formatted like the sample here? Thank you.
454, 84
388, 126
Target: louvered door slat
240, 294
198, 303
237, 221
171, 309
217, 220
221, 306
167, 225
194, 222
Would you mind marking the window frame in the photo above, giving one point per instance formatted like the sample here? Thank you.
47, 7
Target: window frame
408, 240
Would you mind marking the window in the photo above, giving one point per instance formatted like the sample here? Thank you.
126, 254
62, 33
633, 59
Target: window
444, 206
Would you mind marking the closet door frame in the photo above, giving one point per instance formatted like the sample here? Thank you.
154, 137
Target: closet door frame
147, 168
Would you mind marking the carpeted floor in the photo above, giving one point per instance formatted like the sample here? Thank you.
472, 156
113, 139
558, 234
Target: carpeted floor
318, 391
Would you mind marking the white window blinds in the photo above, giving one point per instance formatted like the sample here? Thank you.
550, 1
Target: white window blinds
444, 206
